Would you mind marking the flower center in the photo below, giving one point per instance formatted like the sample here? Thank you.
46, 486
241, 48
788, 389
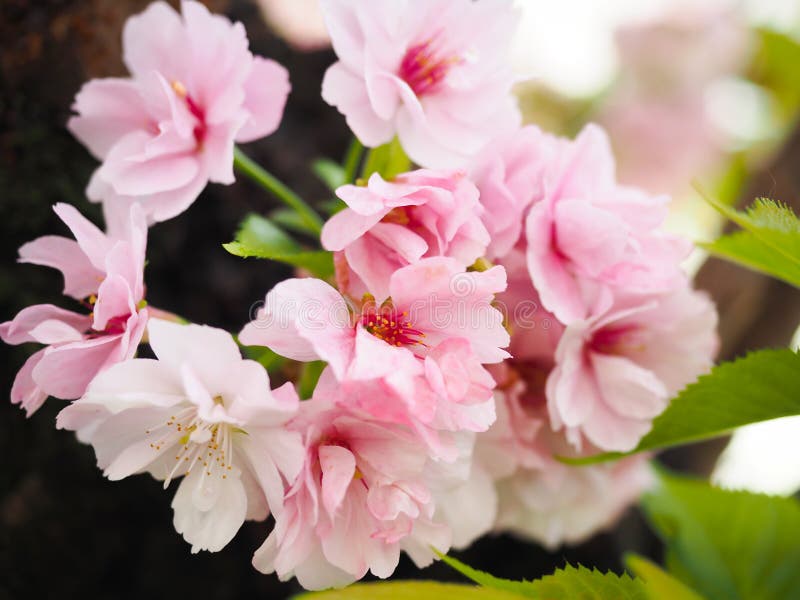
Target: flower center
196, 444
200, 128
617, 341
423, 68
390, 325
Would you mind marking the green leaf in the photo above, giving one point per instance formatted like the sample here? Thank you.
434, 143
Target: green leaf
569, 583
409, 590
658, 583
260, 238
388, 160
769, 240
745, 249
309, 375
724, 544
289, 219
331, 173
762, 386
486, 579
268, 359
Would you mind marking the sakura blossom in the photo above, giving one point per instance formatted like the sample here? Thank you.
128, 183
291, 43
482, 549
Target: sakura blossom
511, 173
105, 274
590, 237
391, 224
360, 499
199, 412
616, 371
170, 128
434, 73
454, 331
430, 302
538, 497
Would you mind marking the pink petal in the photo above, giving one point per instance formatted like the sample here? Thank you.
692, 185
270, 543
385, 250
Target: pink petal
628, 389
345, 227
18, 331
304, 319
114, 299
25, 392
338, 469
126, 169
108, 109
65, 371
266, 90
81, 278
94, 243
558, 290
347, 92
149, 39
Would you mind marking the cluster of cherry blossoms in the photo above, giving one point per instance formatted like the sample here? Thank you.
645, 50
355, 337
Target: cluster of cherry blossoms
506, 303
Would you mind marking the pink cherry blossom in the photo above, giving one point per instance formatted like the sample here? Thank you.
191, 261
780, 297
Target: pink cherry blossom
510, 173
446, 393
539, 497
359, 500
388, 225
566, 505
103, 272
430, 302
616, 371
194, 90
590, 237
200, 412
434, 73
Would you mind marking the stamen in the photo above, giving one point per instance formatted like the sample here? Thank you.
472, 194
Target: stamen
423, 68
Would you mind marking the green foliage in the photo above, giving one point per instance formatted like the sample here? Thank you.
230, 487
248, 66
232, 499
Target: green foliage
261, 238
761, 386
389, 160
410, 590
727, 545
768, 242
658, 583
289, 219
309, 375
330, 173
268, 359
569, 583
775, 68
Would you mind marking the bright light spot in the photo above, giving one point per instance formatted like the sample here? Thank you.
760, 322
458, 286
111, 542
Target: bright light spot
741, 110
569, 45
764, 457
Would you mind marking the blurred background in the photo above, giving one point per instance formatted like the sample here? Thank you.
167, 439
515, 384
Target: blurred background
704, 90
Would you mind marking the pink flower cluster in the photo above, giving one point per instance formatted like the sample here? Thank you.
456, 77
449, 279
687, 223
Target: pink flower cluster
504, 304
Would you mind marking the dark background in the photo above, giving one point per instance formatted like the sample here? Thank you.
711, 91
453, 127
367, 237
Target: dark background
64, 530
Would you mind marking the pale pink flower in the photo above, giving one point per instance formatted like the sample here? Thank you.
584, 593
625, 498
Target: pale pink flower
360, 499
433, 72
388, 225
430, 301
200, 412
464, 493
103, 272
448, 391
194, 90
510, 173
590, 237
539, 497
616, 371
560, 504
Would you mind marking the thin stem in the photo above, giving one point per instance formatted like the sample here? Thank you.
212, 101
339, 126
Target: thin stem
354, 153
245, 165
